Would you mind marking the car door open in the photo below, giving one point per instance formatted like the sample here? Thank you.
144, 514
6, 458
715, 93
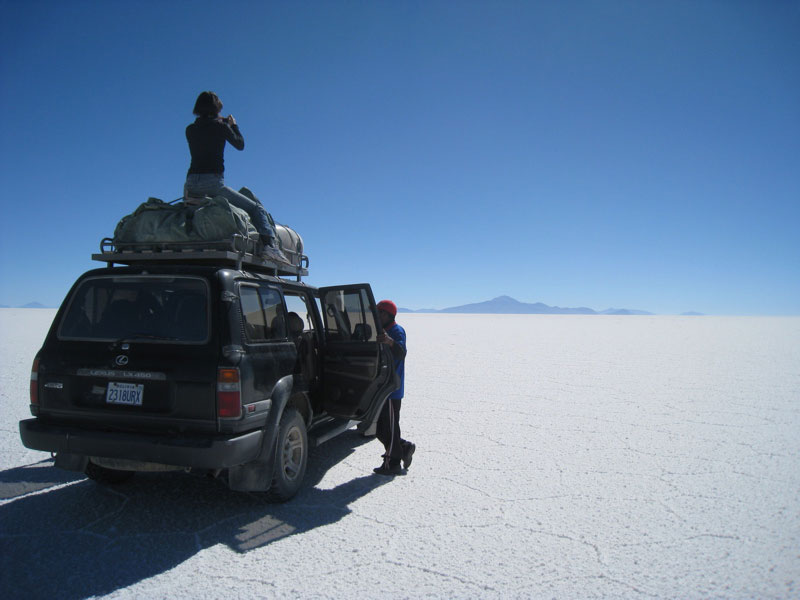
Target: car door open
357, 372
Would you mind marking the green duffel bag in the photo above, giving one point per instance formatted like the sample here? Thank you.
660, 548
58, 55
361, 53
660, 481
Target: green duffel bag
216, 219
156, 223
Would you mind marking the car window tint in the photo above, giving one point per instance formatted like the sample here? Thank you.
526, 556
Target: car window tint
348, 316
144, 308
274, 313
253, 313
263, 313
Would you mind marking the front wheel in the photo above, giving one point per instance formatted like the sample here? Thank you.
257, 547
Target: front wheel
291, 458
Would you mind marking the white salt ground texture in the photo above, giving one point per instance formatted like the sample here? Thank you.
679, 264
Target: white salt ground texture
558, 457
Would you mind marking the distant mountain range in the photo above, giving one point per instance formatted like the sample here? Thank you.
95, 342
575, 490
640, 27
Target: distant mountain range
502, 305
28, 305
506, 305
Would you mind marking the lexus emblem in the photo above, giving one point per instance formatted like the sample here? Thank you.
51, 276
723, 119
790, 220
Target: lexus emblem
121, 360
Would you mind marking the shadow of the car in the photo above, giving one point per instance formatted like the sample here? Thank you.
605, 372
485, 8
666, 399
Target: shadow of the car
27, 479
149, 524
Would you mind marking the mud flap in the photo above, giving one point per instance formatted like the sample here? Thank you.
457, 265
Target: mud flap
368, 429
255, 476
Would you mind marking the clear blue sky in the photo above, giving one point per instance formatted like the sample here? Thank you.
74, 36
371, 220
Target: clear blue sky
634, 154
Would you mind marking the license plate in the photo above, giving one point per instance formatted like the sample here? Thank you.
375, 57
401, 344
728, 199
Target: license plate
125, 393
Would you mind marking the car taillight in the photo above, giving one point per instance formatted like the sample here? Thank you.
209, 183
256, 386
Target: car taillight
35, 381
229, 394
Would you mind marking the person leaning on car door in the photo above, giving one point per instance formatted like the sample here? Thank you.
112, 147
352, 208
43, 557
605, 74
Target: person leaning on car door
397, 449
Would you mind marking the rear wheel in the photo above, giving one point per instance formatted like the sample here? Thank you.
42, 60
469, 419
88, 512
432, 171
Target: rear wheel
107, 476
291, 458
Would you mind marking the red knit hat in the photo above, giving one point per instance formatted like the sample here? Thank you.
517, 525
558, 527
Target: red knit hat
388, 306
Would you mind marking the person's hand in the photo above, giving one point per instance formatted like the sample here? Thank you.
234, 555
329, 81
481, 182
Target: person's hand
231, 121
385, 339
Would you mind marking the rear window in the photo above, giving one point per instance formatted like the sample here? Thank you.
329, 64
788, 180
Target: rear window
145, 308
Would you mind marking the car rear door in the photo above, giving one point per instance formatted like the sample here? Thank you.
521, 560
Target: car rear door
357, 371
133, 351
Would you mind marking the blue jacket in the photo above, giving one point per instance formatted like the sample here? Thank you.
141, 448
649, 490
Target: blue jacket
398, 334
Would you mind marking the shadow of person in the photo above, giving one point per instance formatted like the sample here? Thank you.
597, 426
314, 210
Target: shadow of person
88, 540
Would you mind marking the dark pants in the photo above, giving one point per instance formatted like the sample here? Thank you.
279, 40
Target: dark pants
388, 432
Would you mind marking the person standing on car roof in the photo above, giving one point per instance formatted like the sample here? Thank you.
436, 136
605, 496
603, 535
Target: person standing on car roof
207, 137
388, 430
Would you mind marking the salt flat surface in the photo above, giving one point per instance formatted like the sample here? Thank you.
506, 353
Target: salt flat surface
558, 457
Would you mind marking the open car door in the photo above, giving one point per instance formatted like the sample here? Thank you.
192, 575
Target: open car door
358, 372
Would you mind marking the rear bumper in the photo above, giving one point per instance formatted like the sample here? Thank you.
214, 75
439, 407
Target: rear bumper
202, 452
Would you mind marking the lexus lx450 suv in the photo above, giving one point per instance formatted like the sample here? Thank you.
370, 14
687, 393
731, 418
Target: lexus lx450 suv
206, 367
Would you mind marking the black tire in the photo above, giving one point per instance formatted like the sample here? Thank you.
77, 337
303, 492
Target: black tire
107, 476
291, 457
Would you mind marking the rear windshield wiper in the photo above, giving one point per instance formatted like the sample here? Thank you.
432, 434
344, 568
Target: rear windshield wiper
144, 336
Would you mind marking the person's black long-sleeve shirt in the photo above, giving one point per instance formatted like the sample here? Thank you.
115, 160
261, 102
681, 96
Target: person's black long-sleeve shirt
207, 137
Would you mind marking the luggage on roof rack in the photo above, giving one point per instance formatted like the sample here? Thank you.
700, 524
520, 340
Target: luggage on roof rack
210, 231
206, 220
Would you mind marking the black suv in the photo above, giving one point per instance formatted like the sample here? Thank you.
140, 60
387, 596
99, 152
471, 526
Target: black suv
220, 368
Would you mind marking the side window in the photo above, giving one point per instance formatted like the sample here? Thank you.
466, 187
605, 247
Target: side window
252, 312
348, 316
299, 316
273, 313
263, 313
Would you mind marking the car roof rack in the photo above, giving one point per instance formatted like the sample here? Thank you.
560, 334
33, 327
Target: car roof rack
238, 252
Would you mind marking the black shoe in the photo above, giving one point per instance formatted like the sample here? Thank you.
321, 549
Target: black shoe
408, 454
385, 469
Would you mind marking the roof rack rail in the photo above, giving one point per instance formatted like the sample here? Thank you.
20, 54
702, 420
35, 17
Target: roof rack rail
238, 252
